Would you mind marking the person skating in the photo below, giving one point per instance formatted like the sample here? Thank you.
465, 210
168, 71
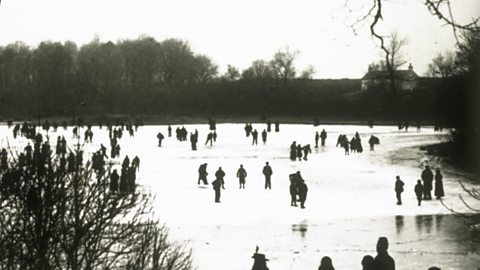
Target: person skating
419, 191
317, 137
399, 189
255, 137
277, 126
326, 264
218, 184
264, 136
160, 138
241, 174
323, 136
293, 151
306, 150
209, 139
427, 178
267, 171
302, 193
202, 174
439, 185
299, 152
169, 131
114, 177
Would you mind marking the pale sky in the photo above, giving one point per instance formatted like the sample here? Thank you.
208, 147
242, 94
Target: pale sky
237, 32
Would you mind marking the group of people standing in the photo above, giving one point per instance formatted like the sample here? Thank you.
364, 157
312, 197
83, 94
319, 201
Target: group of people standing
219, 182
297, 151
423, 191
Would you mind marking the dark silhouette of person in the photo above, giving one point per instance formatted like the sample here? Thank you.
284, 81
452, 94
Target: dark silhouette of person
277, 126
123, 182
326, 264
136, 163
293, 193
372, 141
427, 178
218, 184
248, 129
126, 163
169, 131
214, 136
241, 174
339, 141
346, 147
220, 174
419, 191
202, 174
399, 189
299, 152
269, 126
264, 136
260, 262
293, 151
193, 141
306, 150
317, 137
439, 193
267, 171
114, 177
368, 263
383, 261
323, 136
358, 142
209, 139
160, 138
131, 178
255, 137
302, 192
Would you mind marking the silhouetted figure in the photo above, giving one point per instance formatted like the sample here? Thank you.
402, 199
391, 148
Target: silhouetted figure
427, 178
399, 189
136, 163
346, 147
255, 137
218, 184
114, 177
131, 177
241, 174
302, 193
269, 126
439, 184
372, 141
169, 131
323, 136
209, 139
193, 141
293, 193
212, 124
123, 182
368, 263
293, 151
267, 171
326, 264
160, 137
260, 262
383, 261
299, 152
220, 174
214, 136
358, 142
248, 129
264, 136
277, 126
419, 191
419, 126
306, 150
202, 174
317, 137
125, 163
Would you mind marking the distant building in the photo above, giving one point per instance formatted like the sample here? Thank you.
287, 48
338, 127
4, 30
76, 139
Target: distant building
406, 80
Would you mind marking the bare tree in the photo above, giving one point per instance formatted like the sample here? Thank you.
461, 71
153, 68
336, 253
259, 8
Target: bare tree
443, 65
308, 73
51, 218
283, 66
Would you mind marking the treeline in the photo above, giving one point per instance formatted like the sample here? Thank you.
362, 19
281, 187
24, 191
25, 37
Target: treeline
147, 77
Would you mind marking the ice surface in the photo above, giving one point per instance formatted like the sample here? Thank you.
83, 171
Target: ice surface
350, 203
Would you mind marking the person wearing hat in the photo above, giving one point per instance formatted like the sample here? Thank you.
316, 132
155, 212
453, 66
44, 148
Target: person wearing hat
260, 261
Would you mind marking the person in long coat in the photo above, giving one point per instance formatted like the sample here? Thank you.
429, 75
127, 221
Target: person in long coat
427, 177
439, 184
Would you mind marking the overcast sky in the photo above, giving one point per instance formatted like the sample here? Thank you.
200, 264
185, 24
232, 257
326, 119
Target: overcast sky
237, 32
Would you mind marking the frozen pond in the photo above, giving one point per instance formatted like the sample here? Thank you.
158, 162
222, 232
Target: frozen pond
351, 200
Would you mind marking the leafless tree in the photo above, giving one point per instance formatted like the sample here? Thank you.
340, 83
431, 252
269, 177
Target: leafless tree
283, 66
54, 219
443, 65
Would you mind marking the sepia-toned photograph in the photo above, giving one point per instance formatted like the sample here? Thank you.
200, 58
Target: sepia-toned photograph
239, 135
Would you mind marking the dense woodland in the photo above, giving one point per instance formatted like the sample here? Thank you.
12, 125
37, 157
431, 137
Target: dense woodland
148, 77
